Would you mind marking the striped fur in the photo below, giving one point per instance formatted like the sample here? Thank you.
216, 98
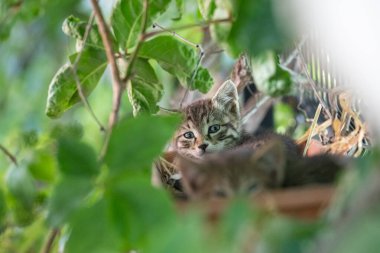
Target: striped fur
221, 112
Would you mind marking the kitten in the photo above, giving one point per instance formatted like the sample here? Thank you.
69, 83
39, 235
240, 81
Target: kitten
210, 125
246, 170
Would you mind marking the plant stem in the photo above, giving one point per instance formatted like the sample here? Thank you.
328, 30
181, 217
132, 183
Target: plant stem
50, 241
202, 24
117, 83
9, 154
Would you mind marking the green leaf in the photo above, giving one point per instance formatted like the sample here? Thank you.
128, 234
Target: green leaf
43, 165
126, 19
145, 90
91, 231
76, 28
180, 6
179, 59
254, 28
63, 92
67, 197
202, 80
3, 210
133, 215
21, 185
136, 142
269, 76
206, 8
76, 158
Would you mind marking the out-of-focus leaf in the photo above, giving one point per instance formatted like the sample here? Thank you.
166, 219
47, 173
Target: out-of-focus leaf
206, 8
284, 117
287, 236
169, 238
43, 165
126, 19
360, 235
76, 28
179, 4
3, 210
92, 231
255, 28
270, 78
145, 90
72, 130
77, 158
21, 185
68, 196
136, 142
177, 58
63, 92
137, 216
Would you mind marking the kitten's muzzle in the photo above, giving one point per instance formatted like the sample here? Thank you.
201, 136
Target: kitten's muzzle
203, 146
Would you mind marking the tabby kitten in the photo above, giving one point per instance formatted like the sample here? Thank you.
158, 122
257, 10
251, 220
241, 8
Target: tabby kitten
249, 169
210, 125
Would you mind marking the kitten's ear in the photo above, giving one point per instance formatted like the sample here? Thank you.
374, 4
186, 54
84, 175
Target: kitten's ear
193, 175
226, 98
271, 159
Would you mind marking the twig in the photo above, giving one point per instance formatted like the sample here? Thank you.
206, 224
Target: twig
312, 127
313, 86
77, 81
117, 83
202, 24
50, 240
9, 154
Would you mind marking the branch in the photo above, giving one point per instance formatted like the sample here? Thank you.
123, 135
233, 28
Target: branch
10, 156
117, 83
50, 240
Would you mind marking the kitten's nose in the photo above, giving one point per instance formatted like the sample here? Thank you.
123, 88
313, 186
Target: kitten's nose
203, 146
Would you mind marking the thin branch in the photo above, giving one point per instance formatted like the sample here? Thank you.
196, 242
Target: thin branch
202, 24
117, 83
50, 241
77, 81
9, 154
313, 86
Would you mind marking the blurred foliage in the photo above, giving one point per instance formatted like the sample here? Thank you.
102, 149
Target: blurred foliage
110, 206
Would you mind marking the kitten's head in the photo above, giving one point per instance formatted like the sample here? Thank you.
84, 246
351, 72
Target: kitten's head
234, 172
211, 124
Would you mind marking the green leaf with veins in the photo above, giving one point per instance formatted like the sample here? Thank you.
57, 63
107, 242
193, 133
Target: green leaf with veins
76, 28
179, 59
145, 90
129, 151
126, 19
63, 92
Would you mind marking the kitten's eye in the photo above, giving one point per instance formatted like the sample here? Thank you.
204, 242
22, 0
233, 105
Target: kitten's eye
214, 128
188, 135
